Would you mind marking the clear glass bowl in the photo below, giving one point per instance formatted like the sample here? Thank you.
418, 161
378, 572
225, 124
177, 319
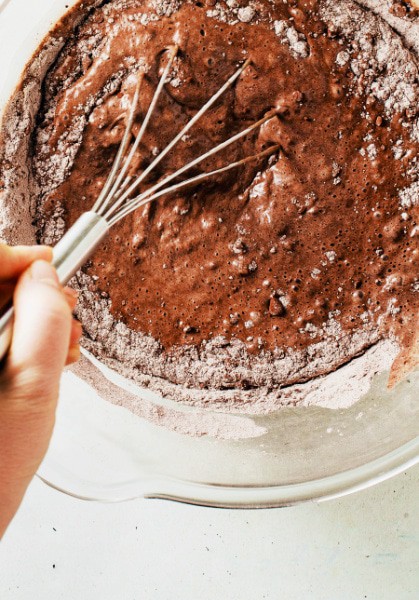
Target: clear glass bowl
101, 451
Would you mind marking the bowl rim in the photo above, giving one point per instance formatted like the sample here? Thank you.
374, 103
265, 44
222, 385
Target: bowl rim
251, 497
330, 487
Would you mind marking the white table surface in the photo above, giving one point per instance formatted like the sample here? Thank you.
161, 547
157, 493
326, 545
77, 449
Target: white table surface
362, 546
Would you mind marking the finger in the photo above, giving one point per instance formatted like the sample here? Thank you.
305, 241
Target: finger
73, 355
14, 260
72, 297
41, 334
76, 333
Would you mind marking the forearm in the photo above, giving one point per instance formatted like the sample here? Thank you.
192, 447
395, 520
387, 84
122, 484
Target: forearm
24, 436
11, 496
45, 338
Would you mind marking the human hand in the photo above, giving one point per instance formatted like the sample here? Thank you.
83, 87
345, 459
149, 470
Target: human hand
45, 339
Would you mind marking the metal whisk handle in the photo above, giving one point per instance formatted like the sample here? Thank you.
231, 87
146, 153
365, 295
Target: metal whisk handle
71, 252
78, 245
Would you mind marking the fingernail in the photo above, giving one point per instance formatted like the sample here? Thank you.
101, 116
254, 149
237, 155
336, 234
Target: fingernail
44, 272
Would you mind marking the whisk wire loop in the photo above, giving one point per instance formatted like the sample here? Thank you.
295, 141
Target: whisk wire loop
112, 212
115, 200
117, 185
133, 204
104, 195
194, 180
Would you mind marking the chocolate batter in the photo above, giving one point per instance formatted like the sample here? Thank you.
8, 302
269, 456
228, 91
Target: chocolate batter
278, 271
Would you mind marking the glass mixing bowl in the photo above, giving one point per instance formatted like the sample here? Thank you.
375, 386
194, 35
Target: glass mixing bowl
101, 451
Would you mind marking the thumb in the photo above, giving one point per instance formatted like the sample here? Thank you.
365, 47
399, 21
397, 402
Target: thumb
41, 332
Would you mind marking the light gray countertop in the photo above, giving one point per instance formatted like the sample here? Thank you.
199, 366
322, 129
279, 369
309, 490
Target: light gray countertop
363, 546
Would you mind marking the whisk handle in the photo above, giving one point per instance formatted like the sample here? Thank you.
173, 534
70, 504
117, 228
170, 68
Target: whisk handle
78, 245
71, 252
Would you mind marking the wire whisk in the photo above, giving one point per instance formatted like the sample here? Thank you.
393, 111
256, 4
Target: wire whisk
118, 197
